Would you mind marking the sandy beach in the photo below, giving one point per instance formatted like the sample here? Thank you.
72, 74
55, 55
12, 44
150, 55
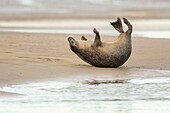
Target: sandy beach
28, 57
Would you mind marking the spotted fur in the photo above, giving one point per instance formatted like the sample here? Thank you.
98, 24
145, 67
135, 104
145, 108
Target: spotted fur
105, 54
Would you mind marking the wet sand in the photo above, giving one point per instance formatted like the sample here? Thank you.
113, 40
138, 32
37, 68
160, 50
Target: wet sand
8, 94
32, 57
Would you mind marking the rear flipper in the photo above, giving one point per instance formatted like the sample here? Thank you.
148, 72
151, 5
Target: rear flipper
117, 25
130, 28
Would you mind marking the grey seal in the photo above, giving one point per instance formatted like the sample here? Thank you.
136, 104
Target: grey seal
105, 54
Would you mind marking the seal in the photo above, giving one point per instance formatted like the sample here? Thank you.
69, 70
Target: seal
105, 54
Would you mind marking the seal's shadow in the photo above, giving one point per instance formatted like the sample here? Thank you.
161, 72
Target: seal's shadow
90, 66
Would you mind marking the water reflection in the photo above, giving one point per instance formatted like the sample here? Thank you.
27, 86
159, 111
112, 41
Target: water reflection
135, 96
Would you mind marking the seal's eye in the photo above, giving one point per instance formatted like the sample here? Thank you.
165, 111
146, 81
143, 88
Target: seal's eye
73, 42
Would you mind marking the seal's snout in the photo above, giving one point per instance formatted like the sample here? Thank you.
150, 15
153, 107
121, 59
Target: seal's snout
73, 44
72, 41
69, 39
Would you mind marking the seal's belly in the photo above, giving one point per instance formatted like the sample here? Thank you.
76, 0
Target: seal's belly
110, 59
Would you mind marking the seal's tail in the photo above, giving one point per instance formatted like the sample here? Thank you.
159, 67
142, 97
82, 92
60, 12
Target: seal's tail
117, 25
129, 31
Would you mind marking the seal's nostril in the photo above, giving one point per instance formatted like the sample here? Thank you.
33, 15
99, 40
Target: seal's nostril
72, 41
69, 39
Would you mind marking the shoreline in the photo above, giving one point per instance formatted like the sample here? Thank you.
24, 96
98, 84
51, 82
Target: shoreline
9, 94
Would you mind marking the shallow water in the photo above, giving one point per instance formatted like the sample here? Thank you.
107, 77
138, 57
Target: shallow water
154, 27
137, 33
137, 95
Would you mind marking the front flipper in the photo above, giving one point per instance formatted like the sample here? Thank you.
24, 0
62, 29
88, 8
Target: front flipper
117, 25
84, 38
97, 41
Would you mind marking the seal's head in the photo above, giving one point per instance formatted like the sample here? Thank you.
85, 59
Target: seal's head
74, 46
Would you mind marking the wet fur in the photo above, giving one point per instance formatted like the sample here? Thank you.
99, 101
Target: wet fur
106, 54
